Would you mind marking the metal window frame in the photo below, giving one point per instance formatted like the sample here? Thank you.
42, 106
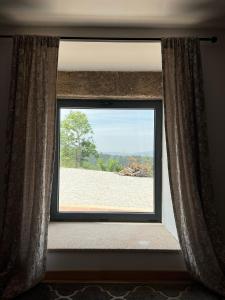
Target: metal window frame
112, 216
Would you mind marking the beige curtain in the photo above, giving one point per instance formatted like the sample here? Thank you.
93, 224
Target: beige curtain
30, 140
191, 186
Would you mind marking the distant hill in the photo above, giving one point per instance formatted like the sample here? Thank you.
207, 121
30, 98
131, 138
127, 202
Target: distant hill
123, 160
144, 153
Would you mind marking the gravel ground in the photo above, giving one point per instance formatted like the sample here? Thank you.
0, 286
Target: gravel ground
82, 189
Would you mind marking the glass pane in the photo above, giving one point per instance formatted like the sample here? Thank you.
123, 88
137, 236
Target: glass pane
106, 160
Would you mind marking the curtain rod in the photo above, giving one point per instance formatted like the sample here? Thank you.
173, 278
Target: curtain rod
212, 39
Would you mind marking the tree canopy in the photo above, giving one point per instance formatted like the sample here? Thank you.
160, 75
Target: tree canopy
76, 140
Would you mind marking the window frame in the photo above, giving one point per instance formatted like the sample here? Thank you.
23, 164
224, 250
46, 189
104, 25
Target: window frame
156, 216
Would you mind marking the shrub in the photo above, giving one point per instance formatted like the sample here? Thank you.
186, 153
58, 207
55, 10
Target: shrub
114, 166
101, 165
137, 168
89, 166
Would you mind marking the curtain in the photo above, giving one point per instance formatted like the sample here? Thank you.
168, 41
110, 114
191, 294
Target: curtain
29, 167
189, 171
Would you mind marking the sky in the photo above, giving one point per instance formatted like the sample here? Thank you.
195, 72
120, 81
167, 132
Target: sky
120, 131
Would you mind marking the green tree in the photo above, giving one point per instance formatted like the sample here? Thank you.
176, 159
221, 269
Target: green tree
76, 140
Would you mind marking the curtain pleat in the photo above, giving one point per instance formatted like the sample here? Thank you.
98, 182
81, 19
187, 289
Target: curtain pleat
188, 160
29, 167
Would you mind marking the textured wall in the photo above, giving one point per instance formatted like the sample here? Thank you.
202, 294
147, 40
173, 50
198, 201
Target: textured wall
110, 84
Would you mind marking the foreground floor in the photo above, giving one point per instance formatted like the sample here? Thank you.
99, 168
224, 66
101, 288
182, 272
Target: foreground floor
82, 190
119, 292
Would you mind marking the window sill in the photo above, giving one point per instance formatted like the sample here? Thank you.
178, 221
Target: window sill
110, 237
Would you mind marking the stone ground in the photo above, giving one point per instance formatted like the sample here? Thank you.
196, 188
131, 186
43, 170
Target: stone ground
83, 190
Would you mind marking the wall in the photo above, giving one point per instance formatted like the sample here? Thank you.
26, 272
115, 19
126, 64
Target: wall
213, 57
131, 85
5, 71
110, 84
167, 207
115, 261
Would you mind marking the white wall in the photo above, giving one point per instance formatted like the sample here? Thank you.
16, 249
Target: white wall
167, 206
114, 261
109, 56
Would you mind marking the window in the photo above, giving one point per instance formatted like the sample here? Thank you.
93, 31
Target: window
108, 161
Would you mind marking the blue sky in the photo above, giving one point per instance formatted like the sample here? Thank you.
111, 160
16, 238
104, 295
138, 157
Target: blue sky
123, 131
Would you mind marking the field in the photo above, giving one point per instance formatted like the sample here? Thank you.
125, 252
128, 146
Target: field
91, 190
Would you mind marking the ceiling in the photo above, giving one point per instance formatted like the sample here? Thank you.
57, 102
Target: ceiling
138, 13
109, 56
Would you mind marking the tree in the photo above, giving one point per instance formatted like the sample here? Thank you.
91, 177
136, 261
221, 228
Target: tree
76, 139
